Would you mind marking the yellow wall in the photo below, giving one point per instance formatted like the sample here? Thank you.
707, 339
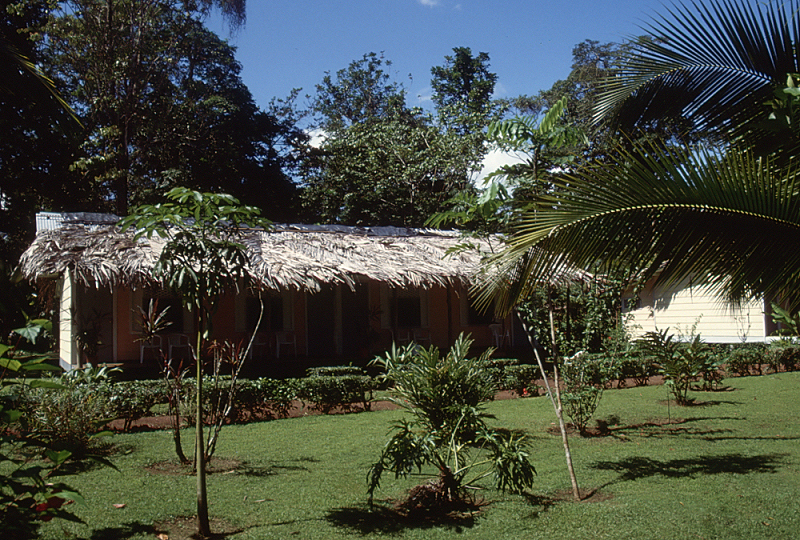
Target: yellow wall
679, 307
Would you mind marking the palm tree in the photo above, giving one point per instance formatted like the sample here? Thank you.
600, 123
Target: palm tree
721, 64
730, 219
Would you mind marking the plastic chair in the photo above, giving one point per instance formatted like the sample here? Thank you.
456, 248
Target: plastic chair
154, 344
498, 335
261, 342
180, 341
285, 337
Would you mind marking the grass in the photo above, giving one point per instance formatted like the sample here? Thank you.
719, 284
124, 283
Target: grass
726, 467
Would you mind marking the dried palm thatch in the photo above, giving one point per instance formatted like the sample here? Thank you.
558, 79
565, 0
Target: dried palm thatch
303, 258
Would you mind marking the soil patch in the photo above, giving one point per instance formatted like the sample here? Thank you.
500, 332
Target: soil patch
185, 528
176, 468
298, 409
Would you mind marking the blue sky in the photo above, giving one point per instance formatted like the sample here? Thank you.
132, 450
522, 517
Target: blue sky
289, 44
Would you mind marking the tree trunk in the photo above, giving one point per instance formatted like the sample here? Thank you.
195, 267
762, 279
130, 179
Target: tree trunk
556, 401
560, 408
203, 527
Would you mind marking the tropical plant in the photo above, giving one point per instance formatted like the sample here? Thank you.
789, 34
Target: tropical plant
722, 65
789, 323
585, 378
446, 427
719, 215
543, 141
28, 492
725, 220
200, 261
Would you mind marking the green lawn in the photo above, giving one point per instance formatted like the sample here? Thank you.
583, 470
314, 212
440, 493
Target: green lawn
728, 467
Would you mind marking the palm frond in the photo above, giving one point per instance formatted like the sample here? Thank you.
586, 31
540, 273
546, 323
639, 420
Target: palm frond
716, 64
730, 221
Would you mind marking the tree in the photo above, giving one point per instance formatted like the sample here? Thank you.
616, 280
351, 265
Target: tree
360, 92
163, 103
200, 261
386, 171
724, 216
462, 91
718, 65
380, 163
35, 149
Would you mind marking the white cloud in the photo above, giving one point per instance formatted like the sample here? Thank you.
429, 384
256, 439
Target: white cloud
317, 137
499, 90
494, 160
425, 95
429, 3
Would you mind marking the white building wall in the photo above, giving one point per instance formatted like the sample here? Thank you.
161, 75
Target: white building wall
685, 305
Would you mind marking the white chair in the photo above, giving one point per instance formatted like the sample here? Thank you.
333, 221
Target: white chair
285, 337
180, 341
499, 336
261, 342
154, 345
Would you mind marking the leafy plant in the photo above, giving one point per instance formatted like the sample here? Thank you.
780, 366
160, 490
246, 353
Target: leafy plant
28, 495
585, 378
71, 417
446, 426
680, 363
200, 261
790, 323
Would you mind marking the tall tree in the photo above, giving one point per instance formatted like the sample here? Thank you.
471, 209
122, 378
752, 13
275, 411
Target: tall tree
380, 163
200, 261
35, 148
462, 91
396, 170
361, 91
163, 102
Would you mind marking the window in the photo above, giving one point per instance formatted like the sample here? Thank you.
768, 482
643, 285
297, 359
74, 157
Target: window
272, 318
408, 311
162, 300
404, 308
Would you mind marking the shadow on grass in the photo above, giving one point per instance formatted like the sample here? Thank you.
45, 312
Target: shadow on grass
385, 520
635, 468
666, 427
126, 530
276, 467
539, 503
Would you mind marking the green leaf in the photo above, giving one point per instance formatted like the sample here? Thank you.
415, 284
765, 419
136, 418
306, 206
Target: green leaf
12, 365
57, 457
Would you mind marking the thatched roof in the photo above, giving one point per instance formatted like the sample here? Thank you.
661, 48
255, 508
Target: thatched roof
296, 257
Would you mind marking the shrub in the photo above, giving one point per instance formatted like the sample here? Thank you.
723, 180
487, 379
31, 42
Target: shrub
446, 428
520, 379
782, 354
585, 377
264, 397
132, 400
327, 392
636, 366
745, 360
69, 418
